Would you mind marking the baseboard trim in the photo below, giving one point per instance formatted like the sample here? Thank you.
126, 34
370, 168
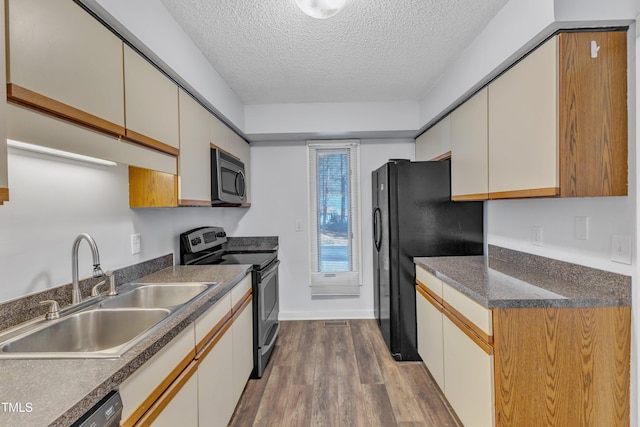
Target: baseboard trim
325, 315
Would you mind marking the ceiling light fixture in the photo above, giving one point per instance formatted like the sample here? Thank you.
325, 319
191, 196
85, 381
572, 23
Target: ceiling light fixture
58, 153
321, 9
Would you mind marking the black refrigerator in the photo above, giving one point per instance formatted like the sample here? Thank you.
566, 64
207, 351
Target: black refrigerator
413, 215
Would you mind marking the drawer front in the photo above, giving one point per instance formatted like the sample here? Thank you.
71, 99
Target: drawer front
471, 310
240, 290
145, 385
207, 322
429, 280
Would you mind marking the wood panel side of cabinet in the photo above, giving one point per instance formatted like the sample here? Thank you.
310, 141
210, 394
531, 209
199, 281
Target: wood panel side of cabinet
562, 366
152, 189
593, 114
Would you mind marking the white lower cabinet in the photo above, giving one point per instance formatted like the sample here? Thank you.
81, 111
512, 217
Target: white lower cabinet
455, 343
242, 350
468, 373
215, 380
182, 410
197, 378
430, 344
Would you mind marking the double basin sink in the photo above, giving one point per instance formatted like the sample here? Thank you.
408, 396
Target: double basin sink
106, 328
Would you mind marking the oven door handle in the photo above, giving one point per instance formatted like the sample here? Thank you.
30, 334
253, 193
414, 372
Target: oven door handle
267, 348
271, 271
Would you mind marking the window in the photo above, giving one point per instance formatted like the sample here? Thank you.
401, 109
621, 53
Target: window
334, 200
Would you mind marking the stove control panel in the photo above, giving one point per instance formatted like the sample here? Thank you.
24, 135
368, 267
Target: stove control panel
202, 238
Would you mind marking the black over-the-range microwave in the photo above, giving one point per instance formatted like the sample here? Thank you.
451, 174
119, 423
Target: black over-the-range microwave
228, 183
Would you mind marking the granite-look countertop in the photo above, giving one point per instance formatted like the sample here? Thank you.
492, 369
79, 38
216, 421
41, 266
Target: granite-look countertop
524, 280
57, 392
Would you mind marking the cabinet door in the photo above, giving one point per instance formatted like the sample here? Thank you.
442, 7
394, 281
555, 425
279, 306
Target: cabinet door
469, 149
182, 409
242, 350
468, 372
523, 129
61, 58
194, 161
140, 391
435, 143
430, 344
151, 104
215, 384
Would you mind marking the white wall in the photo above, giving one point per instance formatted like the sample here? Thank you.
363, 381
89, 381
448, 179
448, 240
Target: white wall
280, 197
54, 200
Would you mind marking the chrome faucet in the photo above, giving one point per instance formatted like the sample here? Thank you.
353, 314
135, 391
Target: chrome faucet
76, 296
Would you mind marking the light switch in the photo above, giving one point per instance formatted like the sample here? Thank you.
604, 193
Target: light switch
621, 249
135, 244
581, 227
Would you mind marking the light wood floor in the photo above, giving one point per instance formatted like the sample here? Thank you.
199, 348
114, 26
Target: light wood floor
331, 375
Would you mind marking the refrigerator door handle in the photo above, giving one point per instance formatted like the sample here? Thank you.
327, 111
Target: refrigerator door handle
377, 237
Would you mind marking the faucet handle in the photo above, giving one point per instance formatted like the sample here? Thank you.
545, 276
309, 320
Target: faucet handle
94, 290
112, 283
54, 309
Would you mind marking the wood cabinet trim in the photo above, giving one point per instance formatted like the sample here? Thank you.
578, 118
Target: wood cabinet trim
194, 203
213, 332
27, 98
4, 195
521, 194
470, 197
148, 142
209, 345
149, 188
443, 156
476, 334
159, 390
434, 299
166, 398
215, 147
242, 304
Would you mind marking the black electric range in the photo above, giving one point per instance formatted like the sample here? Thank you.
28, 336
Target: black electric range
207, 246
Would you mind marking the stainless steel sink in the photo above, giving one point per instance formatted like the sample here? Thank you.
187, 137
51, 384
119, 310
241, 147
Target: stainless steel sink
92, 333
157, 295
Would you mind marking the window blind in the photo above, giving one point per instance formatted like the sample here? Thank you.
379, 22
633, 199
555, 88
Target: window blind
334, 206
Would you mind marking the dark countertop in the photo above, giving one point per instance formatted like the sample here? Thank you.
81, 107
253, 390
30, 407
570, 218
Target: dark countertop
59, 391
508, 279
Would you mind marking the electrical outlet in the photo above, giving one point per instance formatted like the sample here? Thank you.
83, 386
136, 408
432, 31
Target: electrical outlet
536, 236
135, 244
581, 228
621, 249
299, 225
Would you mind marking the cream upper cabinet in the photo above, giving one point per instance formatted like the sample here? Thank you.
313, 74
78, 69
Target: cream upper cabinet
194, 161
469, 142
558, 120
60, 58
523, 125
151, 104
435, 143
226, 139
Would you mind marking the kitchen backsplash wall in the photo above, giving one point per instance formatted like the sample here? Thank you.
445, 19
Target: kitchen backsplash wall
53, 200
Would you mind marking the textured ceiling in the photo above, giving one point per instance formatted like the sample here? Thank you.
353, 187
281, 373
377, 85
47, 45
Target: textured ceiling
269, 51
